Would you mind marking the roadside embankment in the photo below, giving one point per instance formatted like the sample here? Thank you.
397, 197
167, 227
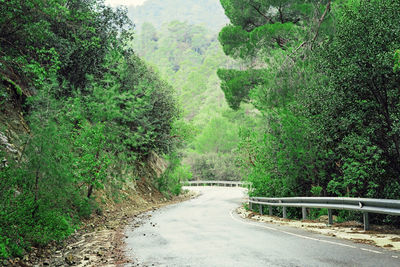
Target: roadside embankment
100, 240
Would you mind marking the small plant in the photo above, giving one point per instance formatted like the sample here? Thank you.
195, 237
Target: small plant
316, 191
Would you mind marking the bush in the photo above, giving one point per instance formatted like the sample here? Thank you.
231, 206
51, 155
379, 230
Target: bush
171, 180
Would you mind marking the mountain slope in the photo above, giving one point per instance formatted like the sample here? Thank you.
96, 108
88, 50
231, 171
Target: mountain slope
200, 12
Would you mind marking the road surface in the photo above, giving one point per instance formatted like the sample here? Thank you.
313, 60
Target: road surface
206, 232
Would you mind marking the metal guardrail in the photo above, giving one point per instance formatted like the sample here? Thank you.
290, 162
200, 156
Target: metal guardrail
216, 183
364, 205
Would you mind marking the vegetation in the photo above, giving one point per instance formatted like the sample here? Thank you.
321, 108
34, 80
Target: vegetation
94, 111
321, 73
207, 13
311, 103
188, 57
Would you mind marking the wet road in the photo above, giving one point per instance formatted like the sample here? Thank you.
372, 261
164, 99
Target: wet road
206, 232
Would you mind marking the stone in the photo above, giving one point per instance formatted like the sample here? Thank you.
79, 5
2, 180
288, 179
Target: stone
58, 262
70, 259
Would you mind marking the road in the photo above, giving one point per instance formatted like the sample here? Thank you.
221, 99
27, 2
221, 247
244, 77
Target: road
206, 232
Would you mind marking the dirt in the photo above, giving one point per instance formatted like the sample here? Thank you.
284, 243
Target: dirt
379, 236
100, 239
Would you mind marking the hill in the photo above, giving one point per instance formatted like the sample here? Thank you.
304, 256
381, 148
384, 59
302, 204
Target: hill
208, 13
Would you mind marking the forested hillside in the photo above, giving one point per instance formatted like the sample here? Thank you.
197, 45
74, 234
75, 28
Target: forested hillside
208, 13
322, 74
79, 113
188, 57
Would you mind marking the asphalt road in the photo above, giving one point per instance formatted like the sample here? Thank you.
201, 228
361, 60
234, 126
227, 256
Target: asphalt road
206, 232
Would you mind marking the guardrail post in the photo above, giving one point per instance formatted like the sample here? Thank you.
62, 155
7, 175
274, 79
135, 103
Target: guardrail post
270, 210
304, 213
261, 209
366, 221
284, 213
251, 206
330, 217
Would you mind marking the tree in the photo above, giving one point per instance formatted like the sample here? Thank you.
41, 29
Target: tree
274, 40
93, 109
357, 109
268, 35
70, 38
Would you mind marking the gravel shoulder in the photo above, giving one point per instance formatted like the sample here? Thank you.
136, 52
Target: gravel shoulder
379, 236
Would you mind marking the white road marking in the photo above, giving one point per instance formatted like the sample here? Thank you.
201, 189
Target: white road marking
370, 250
305, 237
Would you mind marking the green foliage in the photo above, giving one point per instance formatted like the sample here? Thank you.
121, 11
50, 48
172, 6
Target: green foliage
188, 56
328, 94
272, 171
397, 60
237, 84
266, 34
240, 43
157, 12
58, 36
171, 180
214, 166
363, 104
36, 191
219, 135
92, 107
316, 191
91, 162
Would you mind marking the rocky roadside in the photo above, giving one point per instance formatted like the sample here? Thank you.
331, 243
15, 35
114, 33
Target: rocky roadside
99, 242
379, 236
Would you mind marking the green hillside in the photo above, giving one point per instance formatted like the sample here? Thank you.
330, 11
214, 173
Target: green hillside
188, 57
208, 13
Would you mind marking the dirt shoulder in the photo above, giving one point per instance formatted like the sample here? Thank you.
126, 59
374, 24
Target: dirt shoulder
100, 239
379, 236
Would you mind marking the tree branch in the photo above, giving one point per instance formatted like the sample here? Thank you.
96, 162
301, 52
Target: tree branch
259, 12
327, 9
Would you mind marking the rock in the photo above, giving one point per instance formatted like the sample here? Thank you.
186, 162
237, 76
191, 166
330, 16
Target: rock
70, 259
46, 263
58, 262
324, 218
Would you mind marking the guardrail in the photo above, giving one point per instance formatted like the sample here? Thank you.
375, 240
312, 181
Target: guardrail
217, 183
364, 205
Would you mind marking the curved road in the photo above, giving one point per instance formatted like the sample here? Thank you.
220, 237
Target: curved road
206, 232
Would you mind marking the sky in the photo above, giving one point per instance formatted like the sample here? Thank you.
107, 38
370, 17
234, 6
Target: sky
124, 2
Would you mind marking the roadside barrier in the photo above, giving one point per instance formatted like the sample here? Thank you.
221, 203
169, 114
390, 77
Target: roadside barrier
364, 205
216, 183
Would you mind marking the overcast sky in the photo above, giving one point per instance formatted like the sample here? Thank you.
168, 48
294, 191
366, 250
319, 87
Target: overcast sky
125, 2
